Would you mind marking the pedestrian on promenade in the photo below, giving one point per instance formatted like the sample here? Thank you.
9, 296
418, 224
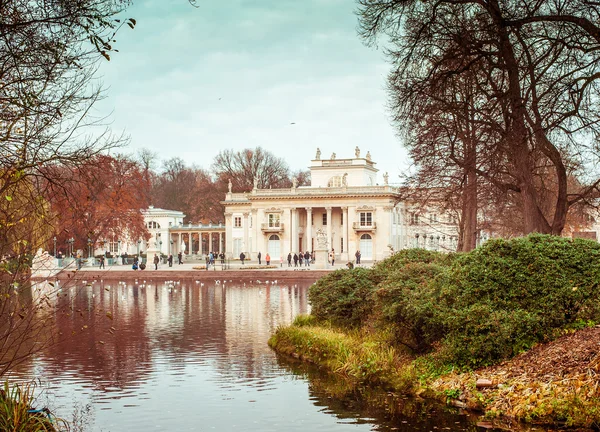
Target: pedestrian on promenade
156, 261
290, 259
300, 258
306, 259
332, 257
267, 258
180, 258
295, 259
102, 261
259, 256
357, 255
242, 257
170, 260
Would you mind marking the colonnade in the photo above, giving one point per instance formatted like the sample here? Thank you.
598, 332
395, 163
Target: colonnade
177, 239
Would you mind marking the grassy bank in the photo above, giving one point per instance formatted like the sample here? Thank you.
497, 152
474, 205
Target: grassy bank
426, 323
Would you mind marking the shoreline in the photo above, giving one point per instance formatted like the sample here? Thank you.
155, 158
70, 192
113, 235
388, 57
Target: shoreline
184, 271
544, 386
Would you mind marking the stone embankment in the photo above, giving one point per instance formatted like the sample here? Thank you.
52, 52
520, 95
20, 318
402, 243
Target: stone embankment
193, 270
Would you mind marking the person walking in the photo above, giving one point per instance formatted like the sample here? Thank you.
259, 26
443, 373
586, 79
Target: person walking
300, 258
259, 256
242, 257
222, 256
156, 261
268, 258
332, 257
102, 261
280, 260
170, 260
357, 255
290, 259
306, 259
180, 258
295, 260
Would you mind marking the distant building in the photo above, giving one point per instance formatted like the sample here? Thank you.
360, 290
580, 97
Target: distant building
344, 200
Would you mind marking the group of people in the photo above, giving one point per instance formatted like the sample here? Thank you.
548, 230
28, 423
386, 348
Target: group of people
212, 256
299, 258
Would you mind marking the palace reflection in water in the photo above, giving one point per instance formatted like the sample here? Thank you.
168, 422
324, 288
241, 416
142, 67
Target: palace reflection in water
188, 355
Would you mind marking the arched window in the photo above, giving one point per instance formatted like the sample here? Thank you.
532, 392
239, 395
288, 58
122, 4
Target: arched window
366, 246
274, 247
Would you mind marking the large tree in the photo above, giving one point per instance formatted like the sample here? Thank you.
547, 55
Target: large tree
188, 189
245, 167
541, 76
49, 52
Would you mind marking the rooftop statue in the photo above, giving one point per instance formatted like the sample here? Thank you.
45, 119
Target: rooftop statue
333, 156
386, 177
357, 152
369, 156
230, 185
318, 156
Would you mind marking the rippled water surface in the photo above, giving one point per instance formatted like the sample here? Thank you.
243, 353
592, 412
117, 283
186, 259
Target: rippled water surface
191, 355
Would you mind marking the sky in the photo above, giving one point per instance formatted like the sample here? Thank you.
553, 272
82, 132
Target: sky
290, 76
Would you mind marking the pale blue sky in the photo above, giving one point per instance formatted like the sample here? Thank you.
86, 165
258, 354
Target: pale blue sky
189, 82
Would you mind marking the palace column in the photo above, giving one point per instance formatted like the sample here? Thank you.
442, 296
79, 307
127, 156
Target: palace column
228, 237
309, 228
256, 234
329, 228
246, 242
294, 229
345, 256
220, 242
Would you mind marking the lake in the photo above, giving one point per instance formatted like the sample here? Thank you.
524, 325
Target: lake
192, 355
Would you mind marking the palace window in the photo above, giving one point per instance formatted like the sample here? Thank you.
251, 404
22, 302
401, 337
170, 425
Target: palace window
237, 222
414, 219
324, 219
274, 220
113, 247
433, 218
366, 219
335, 182
153, 225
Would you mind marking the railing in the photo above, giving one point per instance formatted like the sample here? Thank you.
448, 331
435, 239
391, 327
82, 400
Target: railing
357, 226
309, 191
265, 227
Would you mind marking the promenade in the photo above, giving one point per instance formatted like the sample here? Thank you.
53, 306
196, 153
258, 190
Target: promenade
198, 270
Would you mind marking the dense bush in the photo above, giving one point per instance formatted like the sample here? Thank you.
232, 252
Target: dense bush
508, 294
407, 301
344, 297
482, 306
406, 256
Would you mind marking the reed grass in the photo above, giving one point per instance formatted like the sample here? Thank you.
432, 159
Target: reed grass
16, 401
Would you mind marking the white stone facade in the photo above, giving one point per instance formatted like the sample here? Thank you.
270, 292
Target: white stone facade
345, 201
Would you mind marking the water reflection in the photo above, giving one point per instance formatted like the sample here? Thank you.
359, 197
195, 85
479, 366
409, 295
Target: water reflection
192, 355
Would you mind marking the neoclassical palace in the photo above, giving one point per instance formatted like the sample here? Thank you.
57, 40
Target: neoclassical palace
348, 201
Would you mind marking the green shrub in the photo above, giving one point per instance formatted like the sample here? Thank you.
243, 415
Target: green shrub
407, 301
406, 256
509, 294
344, 297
